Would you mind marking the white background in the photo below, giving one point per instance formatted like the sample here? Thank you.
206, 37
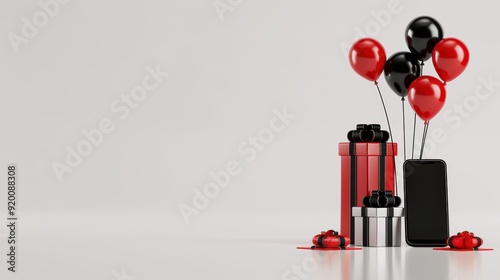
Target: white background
117, 213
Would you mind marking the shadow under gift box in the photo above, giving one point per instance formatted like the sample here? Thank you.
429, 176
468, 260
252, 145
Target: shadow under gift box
364, 167
377, 227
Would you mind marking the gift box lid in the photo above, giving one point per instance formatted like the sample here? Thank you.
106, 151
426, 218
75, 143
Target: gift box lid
368, 149
375, 212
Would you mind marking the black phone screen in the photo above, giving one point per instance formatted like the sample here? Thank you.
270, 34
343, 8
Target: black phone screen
426, 202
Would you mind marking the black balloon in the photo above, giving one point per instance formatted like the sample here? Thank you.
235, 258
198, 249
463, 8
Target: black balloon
400, 70
422, 34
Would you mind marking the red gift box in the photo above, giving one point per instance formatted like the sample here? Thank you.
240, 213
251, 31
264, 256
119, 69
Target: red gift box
364, 167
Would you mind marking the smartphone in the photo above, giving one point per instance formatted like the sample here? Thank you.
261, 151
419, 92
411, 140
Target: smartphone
426, 203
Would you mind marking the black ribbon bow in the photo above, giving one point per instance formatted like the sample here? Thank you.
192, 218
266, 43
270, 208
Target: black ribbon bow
368, 133
382, 199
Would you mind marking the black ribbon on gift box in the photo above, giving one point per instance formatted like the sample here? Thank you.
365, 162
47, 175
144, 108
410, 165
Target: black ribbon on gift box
382, 199
366, 133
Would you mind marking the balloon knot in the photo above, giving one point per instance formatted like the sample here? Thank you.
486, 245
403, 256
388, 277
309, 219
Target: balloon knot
375, 82
403, 98
444, 84
422, 63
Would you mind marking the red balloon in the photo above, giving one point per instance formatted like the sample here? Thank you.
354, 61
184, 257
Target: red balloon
426, 96
367, 58
450, 58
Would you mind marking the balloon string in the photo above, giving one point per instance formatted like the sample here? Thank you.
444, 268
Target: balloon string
424, 136
414, 126
390, 134
404, 127
415, 117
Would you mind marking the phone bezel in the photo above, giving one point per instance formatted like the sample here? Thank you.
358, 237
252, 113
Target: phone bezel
427, 242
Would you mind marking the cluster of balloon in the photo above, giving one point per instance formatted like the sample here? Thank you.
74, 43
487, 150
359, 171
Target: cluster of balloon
403, 71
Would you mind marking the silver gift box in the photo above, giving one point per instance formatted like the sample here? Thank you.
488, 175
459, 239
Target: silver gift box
377, 227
